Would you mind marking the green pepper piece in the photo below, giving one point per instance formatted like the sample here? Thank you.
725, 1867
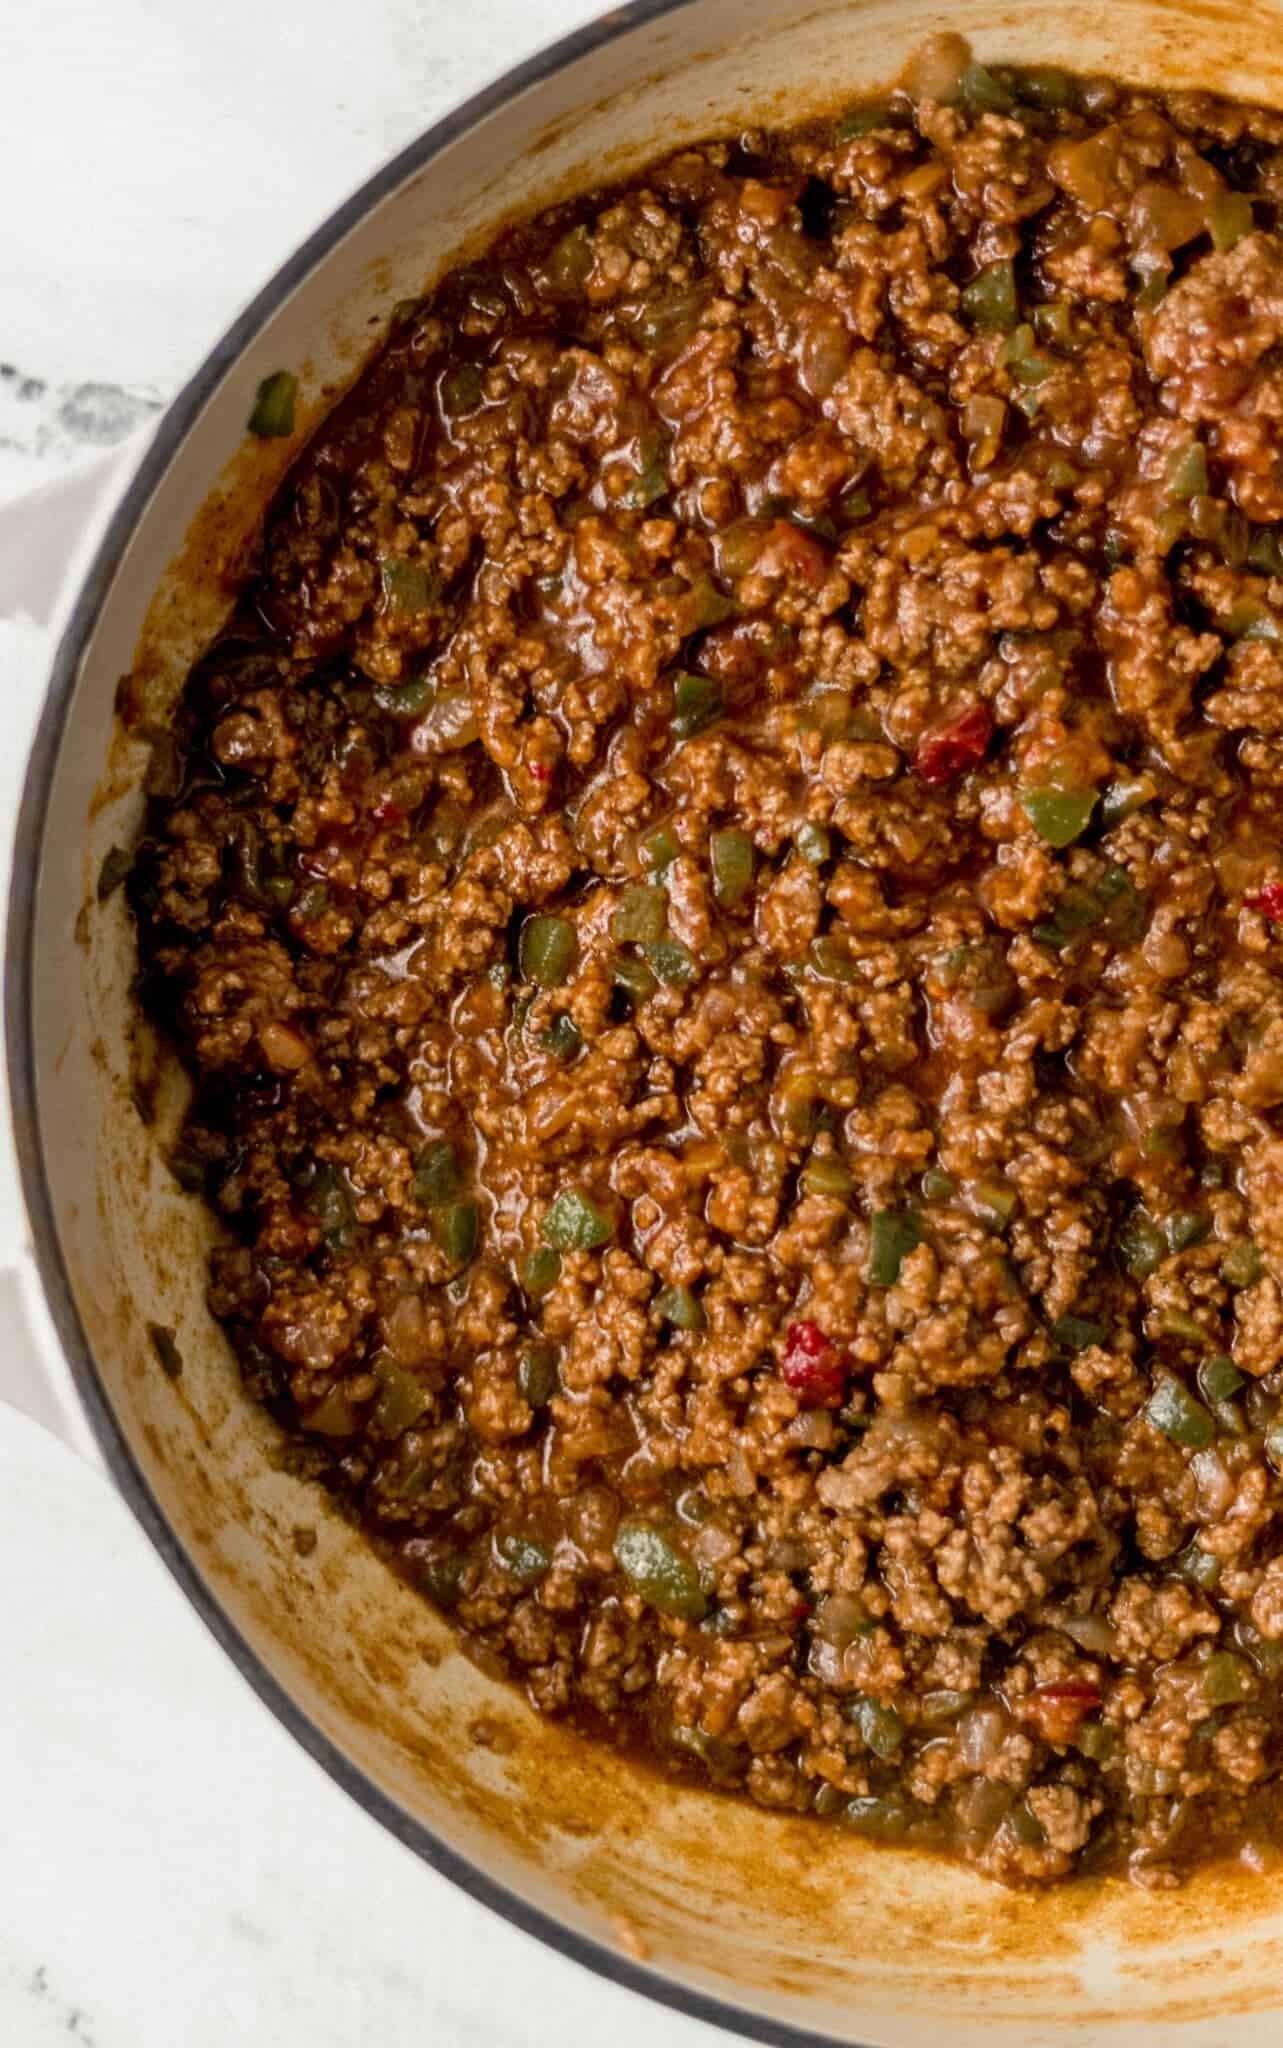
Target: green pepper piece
650, 485
641, 914
455, 1228
1187, 471
562, 1037
1234, 536
1054, 322
994, 1199
814, 843
882, 1817
1095, 1741
537, 1371
1164, 1141
1198, 1566
570, 262
441, 1578
1250, 621
1031, 370
408, 699
1219, 1379
697, 704
1047, 87
938, 1709
893, 1234
547, 950
1242, 1264
1124, 908
1265, 551
539, 1273
1156, 278
408, 586
720, 1757
732, 859
1077, 1332
634, 977
1266, 1654
1023, 1824
660, 849
1172, 1409
1227, 1679
989, 301
825, 1175
114, 870
859, 121
980, 90
1141, 1244
312, 903
829, 956
656, 1570
673, 962
854, 505
1058, 815
880, 1727
461, 388
680, 1307
711, 606
1231, 219
524, 1559
330, 1200
1274, 1447
1228, 1419
1185, 1229
436, 1173
401, 1399
938, 1186
1078, 910
575, 1223
273, 412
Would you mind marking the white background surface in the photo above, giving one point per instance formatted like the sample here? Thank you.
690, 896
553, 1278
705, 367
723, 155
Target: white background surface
174, 1872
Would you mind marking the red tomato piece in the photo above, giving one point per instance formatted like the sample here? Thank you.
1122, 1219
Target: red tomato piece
1056, 1709
813, 1366
1269, 901
789, 550
947, 751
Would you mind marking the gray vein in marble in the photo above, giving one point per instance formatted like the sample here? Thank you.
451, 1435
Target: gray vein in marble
71, 2017
59, 421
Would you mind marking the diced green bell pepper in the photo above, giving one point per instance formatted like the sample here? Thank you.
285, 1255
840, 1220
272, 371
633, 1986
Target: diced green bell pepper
575, 1223
732, 859
547, 950
656, 1569
893, 1234
273, 411
1172, 1409
1058, 815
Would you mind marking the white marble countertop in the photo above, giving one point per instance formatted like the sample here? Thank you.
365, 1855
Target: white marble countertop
176, 1870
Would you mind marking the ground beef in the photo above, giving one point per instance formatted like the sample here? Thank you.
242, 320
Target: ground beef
723, 905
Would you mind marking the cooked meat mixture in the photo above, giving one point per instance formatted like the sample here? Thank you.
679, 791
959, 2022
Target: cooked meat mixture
722, 896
